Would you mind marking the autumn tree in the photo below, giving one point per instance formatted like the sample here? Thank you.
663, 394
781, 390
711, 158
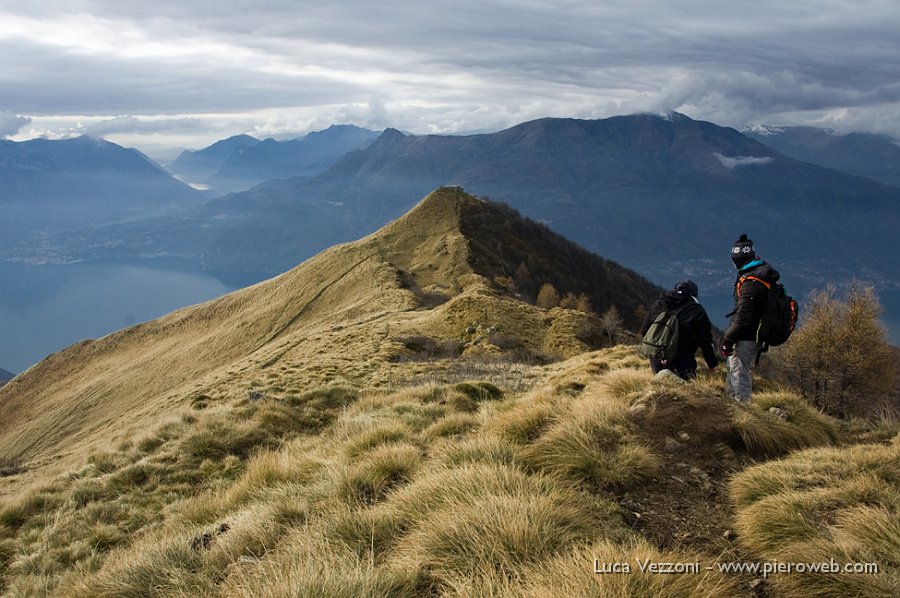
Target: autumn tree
839, 356
548, 296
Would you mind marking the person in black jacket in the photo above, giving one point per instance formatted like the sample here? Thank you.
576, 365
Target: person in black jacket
741, 344
694, 330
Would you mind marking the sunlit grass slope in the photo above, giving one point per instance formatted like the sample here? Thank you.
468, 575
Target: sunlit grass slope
458, 489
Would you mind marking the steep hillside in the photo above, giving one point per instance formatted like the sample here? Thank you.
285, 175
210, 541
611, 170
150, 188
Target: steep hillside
364, 296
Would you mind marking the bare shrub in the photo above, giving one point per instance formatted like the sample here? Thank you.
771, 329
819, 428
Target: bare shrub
10, 467
612, 325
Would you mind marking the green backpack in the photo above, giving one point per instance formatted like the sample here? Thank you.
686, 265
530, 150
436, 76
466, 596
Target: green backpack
661, 340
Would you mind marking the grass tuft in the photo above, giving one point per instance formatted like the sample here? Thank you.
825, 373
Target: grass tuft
594, 448
524, 423
763, 431
380, 435
498, 535
822, 504
479, 391
480, 449
572, 574
377, 473
455, 424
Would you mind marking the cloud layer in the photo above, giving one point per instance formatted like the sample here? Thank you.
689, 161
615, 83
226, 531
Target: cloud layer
277, 67
10, 124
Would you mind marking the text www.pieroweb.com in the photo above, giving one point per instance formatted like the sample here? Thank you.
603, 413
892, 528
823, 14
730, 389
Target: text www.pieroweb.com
764, 568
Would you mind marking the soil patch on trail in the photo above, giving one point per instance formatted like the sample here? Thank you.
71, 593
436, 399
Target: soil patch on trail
686, 505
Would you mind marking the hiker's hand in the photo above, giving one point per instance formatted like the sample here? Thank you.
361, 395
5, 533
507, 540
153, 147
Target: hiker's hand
727, 349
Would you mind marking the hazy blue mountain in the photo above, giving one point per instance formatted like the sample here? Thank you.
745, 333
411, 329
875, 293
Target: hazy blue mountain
664, 196
86, 176
197, 166
5, 376
864, 154
76, 184
241, 162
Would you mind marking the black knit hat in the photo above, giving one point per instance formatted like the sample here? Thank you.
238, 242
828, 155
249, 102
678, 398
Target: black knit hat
742, 252
686, 287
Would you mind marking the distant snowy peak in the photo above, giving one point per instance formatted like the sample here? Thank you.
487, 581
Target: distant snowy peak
759, 129
773, 130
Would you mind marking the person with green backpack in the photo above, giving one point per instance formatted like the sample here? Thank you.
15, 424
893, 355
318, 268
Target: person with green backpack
675, 327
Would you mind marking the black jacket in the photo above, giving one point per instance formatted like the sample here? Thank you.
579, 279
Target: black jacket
750, 303
694, 327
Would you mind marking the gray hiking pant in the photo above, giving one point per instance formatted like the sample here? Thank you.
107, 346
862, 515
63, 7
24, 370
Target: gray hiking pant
738, 382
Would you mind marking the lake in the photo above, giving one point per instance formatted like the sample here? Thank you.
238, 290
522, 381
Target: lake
46, 308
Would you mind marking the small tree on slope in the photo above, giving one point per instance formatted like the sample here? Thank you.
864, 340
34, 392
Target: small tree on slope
839, 357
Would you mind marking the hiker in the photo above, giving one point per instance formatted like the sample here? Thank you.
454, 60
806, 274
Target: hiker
741, 345
694, 330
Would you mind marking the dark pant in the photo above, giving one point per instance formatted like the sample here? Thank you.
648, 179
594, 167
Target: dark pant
683, 365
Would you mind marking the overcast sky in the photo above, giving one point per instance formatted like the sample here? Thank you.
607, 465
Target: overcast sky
186, 73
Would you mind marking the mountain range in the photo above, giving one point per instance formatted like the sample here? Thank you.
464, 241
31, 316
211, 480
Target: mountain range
666, 196
90, 175
240, 162
864, 154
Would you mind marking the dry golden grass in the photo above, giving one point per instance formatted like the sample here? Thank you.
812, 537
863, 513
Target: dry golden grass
310, 565
593, 445
369, 479
497, 535
320, 323
407, 493
526, 421
819, 505
763, 431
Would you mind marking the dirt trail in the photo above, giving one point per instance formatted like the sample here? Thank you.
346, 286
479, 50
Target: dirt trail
686, 505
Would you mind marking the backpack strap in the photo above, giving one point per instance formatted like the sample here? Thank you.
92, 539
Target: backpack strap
678, 309
741, 280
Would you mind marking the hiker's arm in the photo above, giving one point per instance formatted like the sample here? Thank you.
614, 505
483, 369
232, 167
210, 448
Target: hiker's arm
746, 315
703, 332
